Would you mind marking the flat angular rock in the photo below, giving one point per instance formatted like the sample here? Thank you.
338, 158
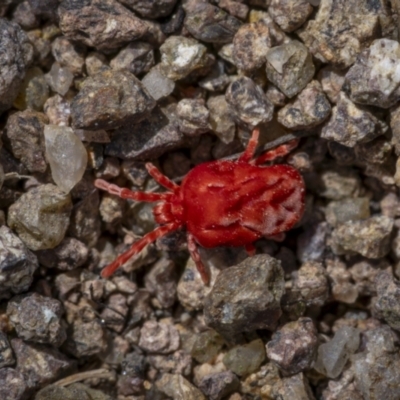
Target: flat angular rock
351, 124
374, 79
146, 140
109, 100
103, 24
290, 67
246, 297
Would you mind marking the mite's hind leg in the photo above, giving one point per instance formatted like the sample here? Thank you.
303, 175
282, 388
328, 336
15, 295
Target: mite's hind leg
194, 253
279, 237
251, 146
279, 151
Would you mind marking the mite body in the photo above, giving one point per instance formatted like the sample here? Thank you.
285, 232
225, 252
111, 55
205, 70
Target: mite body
222, 203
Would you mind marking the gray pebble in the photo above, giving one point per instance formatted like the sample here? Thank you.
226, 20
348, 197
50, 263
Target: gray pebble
159, 337
369, 237
6, 355
148, 139
98, 105
103, 24
41, 217
151, 8
216, 386
248, 102
24, 135
68, 255
12, 385
209, 23
246, 297
290, 14
309, 109
17, 54
293, 346
290, 67
40, 364
373, 79
37, 318
17, 264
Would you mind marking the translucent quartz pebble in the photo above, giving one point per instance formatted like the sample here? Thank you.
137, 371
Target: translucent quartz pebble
59, 79
157, 84
66, 154
332, 356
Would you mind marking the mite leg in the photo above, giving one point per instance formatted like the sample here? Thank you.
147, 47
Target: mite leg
128, 194
137, 247
161, 178
251, 146
194, 253
279, 151
251, 249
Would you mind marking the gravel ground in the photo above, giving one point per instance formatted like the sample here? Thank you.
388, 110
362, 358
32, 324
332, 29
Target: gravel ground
93, 89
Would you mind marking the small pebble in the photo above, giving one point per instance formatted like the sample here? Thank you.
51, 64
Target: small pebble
246, 297
245, 359
293, 346
41, 217
332, 356
290, 67
66, 154
17, 264
369, 237
159, 337
37, 319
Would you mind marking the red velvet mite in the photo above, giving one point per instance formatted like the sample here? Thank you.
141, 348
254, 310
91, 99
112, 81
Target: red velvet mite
222, 203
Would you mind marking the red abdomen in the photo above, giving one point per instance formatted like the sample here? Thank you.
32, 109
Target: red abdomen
230, 203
